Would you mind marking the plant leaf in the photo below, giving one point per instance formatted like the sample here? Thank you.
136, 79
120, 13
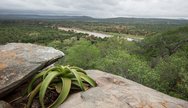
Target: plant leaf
78, 69
75, 83
45, 85
64, 92
58, 87
49, 70
77, 77
88, 79
33, 81
69, 75
32, 95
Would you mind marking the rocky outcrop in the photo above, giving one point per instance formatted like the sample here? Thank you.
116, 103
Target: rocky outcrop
19, 61
117, 92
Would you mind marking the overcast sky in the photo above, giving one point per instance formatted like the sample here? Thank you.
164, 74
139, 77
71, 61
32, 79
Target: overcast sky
100, 8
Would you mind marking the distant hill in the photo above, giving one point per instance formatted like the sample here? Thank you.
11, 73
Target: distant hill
145, 20
17, 16
90, 19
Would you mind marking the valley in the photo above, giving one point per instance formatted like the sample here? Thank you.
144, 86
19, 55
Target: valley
151, 52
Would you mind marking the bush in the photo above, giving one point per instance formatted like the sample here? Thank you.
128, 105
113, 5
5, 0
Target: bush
82, 54
165, 44
129, 66
173, 75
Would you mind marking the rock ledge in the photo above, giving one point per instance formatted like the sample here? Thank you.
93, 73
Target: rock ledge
117, 92
19, 61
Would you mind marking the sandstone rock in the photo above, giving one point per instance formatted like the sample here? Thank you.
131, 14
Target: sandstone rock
4, 104
117, 92
19, 61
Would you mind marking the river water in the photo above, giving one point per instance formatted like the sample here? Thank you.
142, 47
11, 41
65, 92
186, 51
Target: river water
101, 35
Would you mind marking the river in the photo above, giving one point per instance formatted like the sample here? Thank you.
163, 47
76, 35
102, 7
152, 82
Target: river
96, 34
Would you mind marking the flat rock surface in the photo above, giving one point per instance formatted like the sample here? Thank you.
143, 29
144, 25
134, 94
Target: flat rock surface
19, 61
117, 92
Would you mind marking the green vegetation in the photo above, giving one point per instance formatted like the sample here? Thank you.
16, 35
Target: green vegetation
159, 61
142, 28
83, 54
31, 32
60, 79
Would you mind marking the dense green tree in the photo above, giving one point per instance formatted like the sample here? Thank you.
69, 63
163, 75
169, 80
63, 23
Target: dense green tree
82, 54
173, 73
165, 44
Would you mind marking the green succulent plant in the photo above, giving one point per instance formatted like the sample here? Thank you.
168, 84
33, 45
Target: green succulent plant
61, 79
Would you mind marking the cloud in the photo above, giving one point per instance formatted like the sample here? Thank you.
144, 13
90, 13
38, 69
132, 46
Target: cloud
102, 8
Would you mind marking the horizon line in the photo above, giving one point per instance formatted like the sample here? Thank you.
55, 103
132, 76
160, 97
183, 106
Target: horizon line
56, 15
